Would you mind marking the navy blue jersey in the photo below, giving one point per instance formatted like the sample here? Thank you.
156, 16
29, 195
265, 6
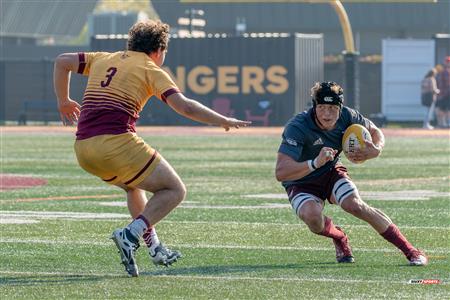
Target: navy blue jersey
303, 139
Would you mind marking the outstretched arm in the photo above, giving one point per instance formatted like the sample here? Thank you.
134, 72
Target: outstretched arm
69, 110
198, 112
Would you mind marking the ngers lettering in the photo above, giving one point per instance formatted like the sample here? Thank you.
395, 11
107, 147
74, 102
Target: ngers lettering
231, 79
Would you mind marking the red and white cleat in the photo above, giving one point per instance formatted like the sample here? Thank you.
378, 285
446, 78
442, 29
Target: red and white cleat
417, 258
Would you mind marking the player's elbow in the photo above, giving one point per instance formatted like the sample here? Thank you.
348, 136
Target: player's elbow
60, 59
279, 173
63, 61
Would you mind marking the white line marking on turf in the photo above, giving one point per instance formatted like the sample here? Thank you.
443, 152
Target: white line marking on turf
262, 224
206, 246
209, 277
15, 217
17, 221
124, 204
193, 204
410, 195
60, 215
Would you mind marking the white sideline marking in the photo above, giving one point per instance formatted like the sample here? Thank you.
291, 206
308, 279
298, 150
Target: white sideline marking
209, 277
124, 203
17, 221
262, 224
60, 215
186, 204
19, 217
410, 195
206, 246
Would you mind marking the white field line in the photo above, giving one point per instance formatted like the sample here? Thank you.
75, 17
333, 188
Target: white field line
60, 215
206, 246
262, 224
195, 205
192, 204
407, 195
16, 217
218, 278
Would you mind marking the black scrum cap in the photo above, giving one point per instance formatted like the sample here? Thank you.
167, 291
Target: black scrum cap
327, 96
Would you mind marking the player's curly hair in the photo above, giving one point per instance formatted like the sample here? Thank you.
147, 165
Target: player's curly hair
148, 36
319, 86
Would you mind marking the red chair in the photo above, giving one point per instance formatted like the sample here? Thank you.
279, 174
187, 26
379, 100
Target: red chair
223, 106
260, 118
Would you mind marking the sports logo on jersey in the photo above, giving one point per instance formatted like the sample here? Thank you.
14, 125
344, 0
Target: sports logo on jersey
291, 142
318, 142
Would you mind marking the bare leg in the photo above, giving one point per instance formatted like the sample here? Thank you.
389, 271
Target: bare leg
311, 214
375, 217
384, 226
168, 191
136, 200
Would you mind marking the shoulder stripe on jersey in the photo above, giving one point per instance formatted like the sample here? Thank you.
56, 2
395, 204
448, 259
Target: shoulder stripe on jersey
143, 169
168, 93
82, 62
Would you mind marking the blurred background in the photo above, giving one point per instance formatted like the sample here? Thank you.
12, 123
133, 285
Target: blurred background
254, 60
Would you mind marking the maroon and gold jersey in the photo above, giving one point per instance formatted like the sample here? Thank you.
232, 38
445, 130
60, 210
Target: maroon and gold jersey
118, 87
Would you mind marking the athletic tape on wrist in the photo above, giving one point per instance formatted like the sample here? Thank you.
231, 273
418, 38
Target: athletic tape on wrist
311, 165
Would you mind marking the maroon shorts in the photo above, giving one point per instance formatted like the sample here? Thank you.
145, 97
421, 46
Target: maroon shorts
320, 187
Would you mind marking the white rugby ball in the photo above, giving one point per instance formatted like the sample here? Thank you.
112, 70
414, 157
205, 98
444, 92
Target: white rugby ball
354, 137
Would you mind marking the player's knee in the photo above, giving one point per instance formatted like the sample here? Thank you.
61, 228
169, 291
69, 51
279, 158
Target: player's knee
313, 219
180, 192
356, 208
315, 225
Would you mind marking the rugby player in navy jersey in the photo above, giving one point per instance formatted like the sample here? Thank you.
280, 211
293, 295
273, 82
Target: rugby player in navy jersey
309, 168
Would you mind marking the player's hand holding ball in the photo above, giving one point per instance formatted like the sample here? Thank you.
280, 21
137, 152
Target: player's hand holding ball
360, 155
357, 144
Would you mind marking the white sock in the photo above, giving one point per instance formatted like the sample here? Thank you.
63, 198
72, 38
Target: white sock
138, 227
151, 238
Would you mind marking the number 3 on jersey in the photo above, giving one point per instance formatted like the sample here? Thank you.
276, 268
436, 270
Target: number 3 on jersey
111, 72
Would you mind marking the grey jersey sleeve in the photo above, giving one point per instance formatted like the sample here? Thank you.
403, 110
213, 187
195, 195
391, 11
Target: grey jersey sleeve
292, 142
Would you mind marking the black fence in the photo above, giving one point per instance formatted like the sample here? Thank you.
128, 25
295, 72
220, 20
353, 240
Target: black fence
266, 80
255, 79
26, 91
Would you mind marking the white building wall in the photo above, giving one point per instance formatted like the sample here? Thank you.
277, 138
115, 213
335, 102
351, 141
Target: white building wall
405, 63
